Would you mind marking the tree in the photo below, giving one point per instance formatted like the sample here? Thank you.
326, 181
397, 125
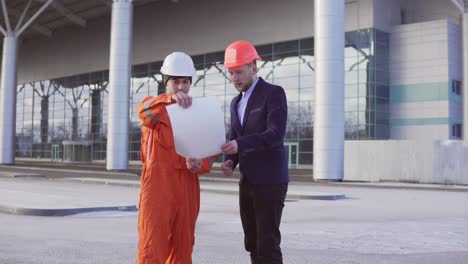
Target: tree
75, 104
44, 89
96, 90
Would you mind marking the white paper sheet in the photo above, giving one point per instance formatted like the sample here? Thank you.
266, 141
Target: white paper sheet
198, 130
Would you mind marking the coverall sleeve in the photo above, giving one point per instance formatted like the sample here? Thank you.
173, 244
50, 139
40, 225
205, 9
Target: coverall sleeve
150, 109
207, 163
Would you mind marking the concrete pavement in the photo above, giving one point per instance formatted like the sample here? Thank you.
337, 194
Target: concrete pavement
385, 226
45, 197
298, 176
33, 194
57, 189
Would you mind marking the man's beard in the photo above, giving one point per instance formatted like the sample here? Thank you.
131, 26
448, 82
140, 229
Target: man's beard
245, 87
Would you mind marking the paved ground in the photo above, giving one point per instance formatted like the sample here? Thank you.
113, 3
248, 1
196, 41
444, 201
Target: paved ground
40, 196
371, 226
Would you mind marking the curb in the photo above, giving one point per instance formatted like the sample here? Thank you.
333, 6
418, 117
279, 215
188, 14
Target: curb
130, 183
292, 196
443, 188
74, 171
295, 196
346, 184
20, 175
63, 211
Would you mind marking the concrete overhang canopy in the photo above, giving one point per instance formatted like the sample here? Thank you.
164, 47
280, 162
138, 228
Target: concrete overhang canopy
58, 14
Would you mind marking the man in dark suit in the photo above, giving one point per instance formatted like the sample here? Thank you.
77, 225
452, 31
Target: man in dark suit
258, 125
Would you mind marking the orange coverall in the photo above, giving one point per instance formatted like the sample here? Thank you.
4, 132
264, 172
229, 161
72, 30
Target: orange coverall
170, 193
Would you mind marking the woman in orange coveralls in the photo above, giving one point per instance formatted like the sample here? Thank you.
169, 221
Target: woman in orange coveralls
170, 190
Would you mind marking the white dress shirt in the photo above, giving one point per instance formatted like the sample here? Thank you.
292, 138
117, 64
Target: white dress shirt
242, 105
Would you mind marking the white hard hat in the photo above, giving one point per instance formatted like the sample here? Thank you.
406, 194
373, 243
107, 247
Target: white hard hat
178, 64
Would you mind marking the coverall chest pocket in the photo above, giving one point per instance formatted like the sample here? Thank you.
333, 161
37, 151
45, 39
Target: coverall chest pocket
164, 135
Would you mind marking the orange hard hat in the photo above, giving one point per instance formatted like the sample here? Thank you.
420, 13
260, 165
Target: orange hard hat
240, 53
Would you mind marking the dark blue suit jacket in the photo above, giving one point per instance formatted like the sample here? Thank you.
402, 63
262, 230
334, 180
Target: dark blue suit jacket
261, 158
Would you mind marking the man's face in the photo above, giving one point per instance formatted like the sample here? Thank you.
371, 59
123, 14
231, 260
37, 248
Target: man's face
243, 76
177, 85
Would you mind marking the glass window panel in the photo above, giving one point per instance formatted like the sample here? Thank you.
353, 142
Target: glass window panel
353, 63
363, 132
306, 43
351, 104
197, 91
265, 69
305, 158
264, 51
364, 36
381, 36
214, 89
155, 68
308, 60
351, 37
350, 52
362, 89
306, 132
352, 77
286, 70
292, 94
306, 80
306, 145
198, 61
288, 83
351, 91
286, 46
382, 105
217, 57
351, 118
307, 52
382, 131
140, 71
307, 94
215, 80
156, 85
286, 58
199, 80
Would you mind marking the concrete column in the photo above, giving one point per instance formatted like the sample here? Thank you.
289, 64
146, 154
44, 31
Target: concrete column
119, 85
8, 99
465, 75
329, 90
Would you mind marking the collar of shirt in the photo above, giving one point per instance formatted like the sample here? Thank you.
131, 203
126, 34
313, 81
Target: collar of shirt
247, 94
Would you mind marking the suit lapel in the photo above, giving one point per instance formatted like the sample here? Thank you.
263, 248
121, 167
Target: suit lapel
251, 102
236, 123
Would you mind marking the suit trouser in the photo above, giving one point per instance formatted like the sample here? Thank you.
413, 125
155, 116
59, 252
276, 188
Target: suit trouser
261, 207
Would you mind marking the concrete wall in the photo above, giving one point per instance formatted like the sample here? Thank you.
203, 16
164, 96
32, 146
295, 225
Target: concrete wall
386, 14
443, 162
389, 13
428, 10
421, 65
196, 27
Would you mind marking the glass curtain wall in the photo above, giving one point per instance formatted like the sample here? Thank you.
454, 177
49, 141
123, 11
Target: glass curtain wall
74, 108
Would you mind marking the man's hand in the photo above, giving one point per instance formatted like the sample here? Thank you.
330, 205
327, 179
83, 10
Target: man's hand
227, 167
193, 165
183, 99
230, 147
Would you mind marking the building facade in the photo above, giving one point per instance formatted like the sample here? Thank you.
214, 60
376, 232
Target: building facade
403, 75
